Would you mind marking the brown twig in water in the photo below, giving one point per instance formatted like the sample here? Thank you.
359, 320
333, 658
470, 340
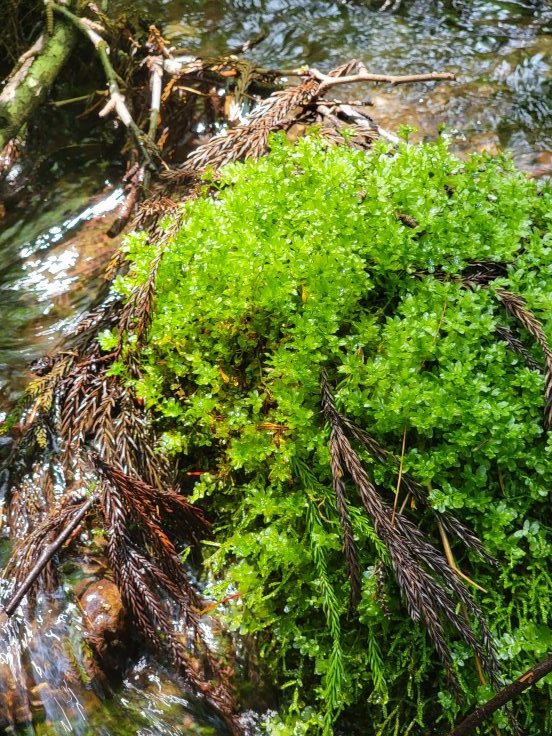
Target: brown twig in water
46, 556
326, 81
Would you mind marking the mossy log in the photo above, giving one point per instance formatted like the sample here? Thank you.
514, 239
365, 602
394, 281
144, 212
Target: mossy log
37, 70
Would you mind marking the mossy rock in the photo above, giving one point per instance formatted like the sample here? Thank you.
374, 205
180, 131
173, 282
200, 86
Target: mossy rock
384, 270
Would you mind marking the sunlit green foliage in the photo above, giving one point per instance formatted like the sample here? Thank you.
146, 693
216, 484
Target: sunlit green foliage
303, 261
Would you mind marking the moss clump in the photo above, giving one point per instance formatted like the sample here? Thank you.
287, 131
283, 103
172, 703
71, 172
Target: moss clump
322, 257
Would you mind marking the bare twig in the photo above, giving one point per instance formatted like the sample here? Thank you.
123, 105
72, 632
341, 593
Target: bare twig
326, 81
116, 101
155, 66
503, 697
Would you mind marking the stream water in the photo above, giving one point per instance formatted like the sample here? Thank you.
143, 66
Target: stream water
53, 247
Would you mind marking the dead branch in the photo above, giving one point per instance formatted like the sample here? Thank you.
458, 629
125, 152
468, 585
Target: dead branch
155, 67
327, 81
428, 583
503, 697
45, 557
116, 101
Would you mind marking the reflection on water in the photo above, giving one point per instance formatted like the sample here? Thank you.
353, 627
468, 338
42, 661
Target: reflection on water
50, 270
48, 688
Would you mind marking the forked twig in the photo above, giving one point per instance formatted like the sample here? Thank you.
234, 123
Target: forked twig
116, 101
326, 81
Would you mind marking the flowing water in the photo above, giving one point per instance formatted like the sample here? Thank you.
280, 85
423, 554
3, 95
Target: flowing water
53, 247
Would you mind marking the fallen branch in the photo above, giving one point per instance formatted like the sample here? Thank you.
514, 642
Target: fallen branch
116, 102
44, 558
502, 698
36, 72
155, 66
326, 81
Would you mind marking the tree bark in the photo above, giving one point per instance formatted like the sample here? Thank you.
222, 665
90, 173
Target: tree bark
29, 82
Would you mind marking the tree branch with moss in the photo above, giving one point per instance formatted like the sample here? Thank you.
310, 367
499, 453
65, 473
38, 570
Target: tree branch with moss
36, 72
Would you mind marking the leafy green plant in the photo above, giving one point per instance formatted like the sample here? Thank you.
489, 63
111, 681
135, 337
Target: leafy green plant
421, 287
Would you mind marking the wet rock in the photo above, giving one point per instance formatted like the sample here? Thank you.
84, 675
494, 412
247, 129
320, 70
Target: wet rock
107, 630
39, 694
14, 704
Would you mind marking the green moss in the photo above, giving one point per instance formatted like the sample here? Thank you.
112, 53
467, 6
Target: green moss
301, 261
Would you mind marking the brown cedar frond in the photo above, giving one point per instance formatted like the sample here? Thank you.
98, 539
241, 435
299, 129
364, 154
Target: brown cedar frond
102, 317
474, 273
349, 544
150, 502
418, 492
137, 313
515, 344
148, 570
28, 550
249, 140
517, 307
481, 273
427, 582
97, 410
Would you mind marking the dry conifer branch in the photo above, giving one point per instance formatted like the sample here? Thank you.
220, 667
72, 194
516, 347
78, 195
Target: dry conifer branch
48, 552
515, 344
517, 307
349, 544
250, 138
418, 492
426, 580
148, 570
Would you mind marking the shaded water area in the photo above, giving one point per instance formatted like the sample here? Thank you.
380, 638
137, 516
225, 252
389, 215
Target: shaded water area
54, 247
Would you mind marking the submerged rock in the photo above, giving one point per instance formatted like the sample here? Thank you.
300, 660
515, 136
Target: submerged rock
107, 630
